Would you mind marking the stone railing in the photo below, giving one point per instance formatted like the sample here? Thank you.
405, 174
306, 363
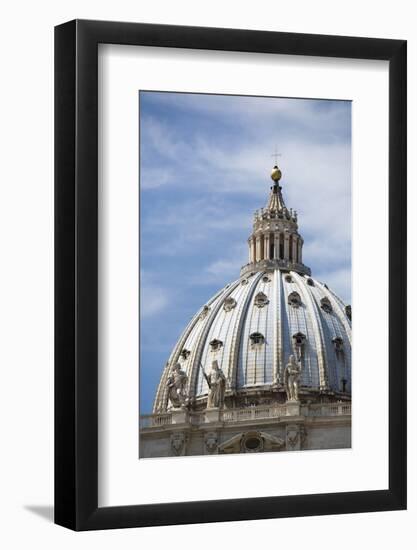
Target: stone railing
253, 413
327, 409
248, 414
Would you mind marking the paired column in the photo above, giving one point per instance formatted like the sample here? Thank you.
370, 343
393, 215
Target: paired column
266, 246
258, 248
299, 259
286, 246
294, 249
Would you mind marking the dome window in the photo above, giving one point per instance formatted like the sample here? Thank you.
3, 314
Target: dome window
204, 312
338, 346
288, 278
348, 311
261, 299
294, 299
266, 279
215, 345
257, 338
299, 340
310, 282
229, 304
326, 305
185, 353
244, 282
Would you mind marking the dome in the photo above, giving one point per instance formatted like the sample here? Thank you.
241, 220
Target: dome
253, 325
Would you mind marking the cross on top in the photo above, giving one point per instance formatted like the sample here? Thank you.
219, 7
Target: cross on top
276, 155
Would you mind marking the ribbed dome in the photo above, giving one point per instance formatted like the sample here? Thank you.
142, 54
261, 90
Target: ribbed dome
253, 325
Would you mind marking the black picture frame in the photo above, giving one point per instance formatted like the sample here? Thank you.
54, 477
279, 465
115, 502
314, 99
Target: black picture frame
76, 274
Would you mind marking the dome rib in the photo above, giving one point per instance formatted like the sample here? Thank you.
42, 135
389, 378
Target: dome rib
197, 355
237, 333
277, 328
311, 308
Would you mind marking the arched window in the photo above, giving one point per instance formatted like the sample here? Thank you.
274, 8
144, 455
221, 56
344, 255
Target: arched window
299, 340
348, 311
310, 282
215, 344
257, 339
185, 353
338, 346
229, 304
261, 299
326, 305
294, 299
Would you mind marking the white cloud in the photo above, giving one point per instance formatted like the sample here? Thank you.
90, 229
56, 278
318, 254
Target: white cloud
153, 298
339, 281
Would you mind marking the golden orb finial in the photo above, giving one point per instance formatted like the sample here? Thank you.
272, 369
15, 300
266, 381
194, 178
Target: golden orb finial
276, 174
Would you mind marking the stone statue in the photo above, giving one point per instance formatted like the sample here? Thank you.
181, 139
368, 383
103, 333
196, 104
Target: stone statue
291, 378
176, 386
216, 382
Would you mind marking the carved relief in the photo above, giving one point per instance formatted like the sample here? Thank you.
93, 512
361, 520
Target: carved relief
251, 442
178, 443
211, 441
261, 299
229, 304
296, 436
293, 437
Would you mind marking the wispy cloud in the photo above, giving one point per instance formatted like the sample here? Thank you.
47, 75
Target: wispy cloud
153, 298
204, 169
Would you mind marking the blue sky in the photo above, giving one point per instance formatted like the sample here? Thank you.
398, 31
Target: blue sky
204, 168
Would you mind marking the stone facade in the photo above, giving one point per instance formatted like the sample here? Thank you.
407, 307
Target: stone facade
254, 429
